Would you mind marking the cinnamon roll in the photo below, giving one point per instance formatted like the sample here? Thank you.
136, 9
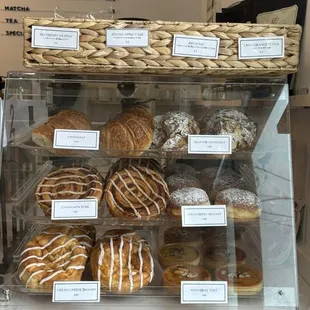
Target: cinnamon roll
69, 182
122, 262
137, 192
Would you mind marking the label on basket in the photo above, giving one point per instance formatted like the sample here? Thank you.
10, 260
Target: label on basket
204, 216
195, 46
127, 37
76, 139
204, 292
70, 209
82, 291
209, 144
55, 38
256, 48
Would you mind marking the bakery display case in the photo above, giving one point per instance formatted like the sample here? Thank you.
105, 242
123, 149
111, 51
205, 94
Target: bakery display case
176, 188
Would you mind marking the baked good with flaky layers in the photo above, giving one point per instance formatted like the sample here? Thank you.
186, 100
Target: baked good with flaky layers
179, 168
185, 235
69, 182
130, 132
240, 204
122, 262
178, 253
189, 196
136, 193
178, 181
43, 135
242, 279
51, 257
160, 136
231, 122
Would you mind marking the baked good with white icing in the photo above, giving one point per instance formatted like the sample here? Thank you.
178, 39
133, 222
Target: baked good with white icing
177, 143
50, 257
69, 182
136, 193
122, 262
160, 136
178, 181
189, 196
232, 122
242, 279
179, 168
240, 204
185, 235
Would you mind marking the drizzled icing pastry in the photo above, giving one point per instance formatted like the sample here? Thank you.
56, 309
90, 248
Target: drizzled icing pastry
69, 182
178, 181
242, 279
179, 168
122, 262
240, 204
176, 253
50, 257
189, 236
137, 192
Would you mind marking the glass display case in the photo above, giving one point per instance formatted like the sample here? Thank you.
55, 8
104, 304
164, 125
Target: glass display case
187, 182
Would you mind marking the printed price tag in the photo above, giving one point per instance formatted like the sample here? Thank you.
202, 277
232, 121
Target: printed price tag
70, 209
203, 216
82, 291
127, 37
196, 47
55, 38
76, 139
267, 47
209, 144
204, 292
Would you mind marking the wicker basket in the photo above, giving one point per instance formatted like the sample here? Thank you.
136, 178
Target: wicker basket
94, 56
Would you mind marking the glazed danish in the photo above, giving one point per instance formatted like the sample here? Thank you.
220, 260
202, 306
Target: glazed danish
69, 182
136, 192
122, 262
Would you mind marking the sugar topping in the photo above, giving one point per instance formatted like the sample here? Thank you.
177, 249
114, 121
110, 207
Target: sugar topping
159, 137
177, 143
189, 196
177, 181
176, 168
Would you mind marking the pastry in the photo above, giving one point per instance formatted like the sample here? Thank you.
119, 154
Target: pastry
219, 255
177, 143
69, 182
178, 253
232, 122
174, 275
184, 235
242, 279
51, 257
207, 177
240, 204
189, 196
160, 136
122, 262
220, 235
137, 193
178, 181
179, 168
131, 132
43, 135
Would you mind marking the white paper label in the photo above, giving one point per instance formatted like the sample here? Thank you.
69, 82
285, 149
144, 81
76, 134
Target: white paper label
209, 144
55, 38
204, 292
69, 209
82, 291
256, 48
127, 37
76, 139
204, 216
194, 46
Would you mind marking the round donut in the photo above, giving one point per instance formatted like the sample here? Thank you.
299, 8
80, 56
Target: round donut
178, 181
179, 168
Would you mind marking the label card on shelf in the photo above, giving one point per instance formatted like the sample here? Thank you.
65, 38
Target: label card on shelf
204, 292
82, 291
195, 46
259, 48
76, 139
210, 144
70, 209
127, 37
55, 38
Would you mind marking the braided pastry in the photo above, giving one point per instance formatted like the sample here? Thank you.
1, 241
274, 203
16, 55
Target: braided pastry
51, 257
136, 192
122, 262
69, 182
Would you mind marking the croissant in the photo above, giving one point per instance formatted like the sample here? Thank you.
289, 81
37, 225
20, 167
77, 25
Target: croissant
131, 132
122, 262
67, 119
